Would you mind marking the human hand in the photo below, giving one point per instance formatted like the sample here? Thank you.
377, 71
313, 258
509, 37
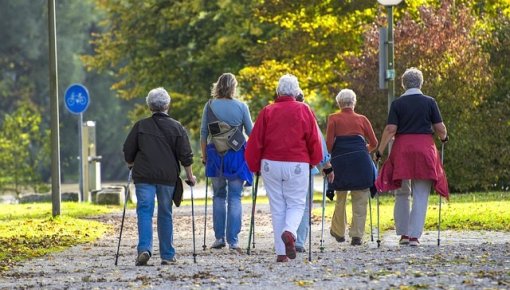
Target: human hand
445, 140
378, 155
191, 180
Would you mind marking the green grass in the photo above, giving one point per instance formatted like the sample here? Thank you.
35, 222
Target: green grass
473, 211
29, 230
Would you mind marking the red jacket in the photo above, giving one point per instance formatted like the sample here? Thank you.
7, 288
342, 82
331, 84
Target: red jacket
284, 131
413, 156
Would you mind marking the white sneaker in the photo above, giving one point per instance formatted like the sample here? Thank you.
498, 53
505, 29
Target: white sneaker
413, 242
218, 244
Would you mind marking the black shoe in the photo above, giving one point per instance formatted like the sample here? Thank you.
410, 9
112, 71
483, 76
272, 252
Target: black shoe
142, 258
337, 238
300, 249
355, 241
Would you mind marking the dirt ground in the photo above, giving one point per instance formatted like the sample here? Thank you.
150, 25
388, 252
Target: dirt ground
464, 260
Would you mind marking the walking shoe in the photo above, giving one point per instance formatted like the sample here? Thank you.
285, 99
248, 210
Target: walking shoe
142, 258
413, 242
171, 261
404, 240
236, 249
337, 238
218, 244
282, 258
289, 241
300, 249
355, 241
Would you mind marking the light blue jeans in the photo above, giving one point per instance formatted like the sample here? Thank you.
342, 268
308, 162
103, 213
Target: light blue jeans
145, 194
302, 231
227, 209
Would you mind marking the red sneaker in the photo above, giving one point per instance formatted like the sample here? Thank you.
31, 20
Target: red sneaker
290, 247
282, 258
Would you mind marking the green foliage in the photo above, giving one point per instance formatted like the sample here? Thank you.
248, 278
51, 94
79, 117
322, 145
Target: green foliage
446, 43
474, 211
180, 45
28, 231
23, 148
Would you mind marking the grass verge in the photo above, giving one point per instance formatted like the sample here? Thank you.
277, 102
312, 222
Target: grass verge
474, 211
28, 230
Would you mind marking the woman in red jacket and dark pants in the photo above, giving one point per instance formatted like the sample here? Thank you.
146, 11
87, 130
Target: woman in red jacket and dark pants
284, 144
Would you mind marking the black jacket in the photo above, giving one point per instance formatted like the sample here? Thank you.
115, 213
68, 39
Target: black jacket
154, 145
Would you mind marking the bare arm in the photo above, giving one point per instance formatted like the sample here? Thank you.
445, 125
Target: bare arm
440, 130
387, 135
189, 175
203, 146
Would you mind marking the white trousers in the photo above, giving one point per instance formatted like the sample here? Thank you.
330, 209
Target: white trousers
286, 185
410, 221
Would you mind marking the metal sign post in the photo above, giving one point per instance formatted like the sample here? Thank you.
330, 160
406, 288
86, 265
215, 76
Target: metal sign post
77, 101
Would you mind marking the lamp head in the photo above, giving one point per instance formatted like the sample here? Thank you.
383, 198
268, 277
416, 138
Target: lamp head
389, 2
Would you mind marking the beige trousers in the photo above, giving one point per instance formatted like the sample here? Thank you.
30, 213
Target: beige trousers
359, 213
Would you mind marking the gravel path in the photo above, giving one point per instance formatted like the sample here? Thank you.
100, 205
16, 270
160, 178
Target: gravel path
464, 260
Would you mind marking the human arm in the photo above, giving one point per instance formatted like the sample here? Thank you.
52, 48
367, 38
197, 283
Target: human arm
255, 144
330, 133
204, 133
130, 147
247, 122
440, 130
388, 133
370, 135
189, 175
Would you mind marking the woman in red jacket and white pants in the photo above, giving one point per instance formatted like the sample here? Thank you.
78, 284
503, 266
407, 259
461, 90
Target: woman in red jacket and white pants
283, 145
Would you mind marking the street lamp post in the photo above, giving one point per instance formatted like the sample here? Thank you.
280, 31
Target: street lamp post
390, 66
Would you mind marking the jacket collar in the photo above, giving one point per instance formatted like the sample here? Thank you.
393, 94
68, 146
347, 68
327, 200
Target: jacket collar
285, 99
413, 91
161, 114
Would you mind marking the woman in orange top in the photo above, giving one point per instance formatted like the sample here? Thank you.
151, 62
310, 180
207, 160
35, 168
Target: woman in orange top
350, 139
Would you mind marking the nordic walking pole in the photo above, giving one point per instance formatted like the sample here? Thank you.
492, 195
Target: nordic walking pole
252, 219
371, 225
205, 218
310, 203
323, 211
439, 223
378, 223
126, 196
254, 203
192, 220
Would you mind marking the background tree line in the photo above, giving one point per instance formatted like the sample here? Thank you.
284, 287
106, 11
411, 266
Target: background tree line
461, 46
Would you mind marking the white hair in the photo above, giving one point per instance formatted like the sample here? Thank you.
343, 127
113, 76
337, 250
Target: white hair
158, 100
346, 98
288, 85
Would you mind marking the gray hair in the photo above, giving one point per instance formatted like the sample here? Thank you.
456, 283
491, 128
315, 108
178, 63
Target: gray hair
412, 78
288, 85
158, 100
346, 98
225, 87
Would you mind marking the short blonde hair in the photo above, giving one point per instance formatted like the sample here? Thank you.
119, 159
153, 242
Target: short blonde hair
346, 98
225, 87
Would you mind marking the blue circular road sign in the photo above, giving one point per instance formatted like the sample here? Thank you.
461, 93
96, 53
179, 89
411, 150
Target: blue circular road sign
76, 98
